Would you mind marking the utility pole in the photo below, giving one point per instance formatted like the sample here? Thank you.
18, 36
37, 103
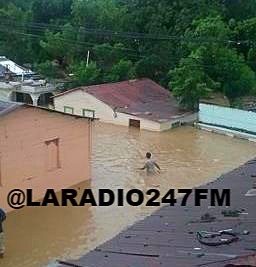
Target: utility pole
88, 58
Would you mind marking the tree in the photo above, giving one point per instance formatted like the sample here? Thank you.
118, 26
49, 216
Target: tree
15, 42
150, 67
61, 46
46, 10
189, 83
107, 55
49, 70
123, 70
221, 62
86, 75
239, 9
103, 14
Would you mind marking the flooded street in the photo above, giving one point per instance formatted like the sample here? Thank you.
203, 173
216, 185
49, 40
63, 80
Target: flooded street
188, 157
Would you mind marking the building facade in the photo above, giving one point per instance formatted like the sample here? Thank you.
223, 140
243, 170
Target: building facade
137, 103
41, 149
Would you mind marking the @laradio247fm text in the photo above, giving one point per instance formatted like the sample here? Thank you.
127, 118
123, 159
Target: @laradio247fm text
18, 199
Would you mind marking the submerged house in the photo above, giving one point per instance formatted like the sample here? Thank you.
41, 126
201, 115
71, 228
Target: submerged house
139, 103
41, 149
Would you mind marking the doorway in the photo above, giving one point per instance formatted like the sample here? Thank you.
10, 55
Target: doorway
134, 123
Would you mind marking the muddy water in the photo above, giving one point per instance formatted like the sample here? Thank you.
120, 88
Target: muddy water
188, 157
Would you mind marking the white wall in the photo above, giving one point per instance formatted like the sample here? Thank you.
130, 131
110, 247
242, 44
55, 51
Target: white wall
4, 95
80, 100
229, 117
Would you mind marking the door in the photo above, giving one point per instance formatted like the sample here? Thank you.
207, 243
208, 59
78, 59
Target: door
134, 123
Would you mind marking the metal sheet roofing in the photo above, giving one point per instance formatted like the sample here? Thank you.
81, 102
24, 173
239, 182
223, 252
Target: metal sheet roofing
6, 107
12, 67
142, 98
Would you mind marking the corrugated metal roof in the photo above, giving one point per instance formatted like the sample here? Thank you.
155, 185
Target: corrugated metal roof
6, 107
143, 98
12, 67
169, 236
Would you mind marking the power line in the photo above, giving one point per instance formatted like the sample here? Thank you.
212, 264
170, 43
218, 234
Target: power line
41, 28
81, 45
129, 35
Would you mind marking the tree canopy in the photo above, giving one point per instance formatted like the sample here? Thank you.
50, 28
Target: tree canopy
191, 46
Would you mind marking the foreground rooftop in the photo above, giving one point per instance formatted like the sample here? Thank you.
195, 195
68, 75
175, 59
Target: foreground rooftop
168, 237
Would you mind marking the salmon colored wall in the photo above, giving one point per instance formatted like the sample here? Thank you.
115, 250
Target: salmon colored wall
27, 158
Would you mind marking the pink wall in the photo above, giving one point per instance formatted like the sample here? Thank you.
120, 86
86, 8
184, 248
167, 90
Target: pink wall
40, 150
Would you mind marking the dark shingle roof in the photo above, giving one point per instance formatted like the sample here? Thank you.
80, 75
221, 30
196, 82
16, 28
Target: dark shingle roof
6, 107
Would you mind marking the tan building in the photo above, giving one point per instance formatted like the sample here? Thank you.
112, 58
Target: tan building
41, 149
140, 103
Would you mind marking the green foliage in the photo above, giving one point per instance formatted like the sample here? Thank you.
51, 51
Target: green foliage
104, 14
190, 83
107, 55
201, 43
86, 75
236, 77
14, 42
57, 44
47, 10
239, 9
150, 67
49, 69
220, 61
123, 70
252, 58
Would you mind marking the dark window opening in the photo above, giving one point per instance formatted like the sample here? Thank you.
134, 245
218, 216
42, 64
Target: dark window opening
53, 157
134, 123
176, 124
21, 97
45, 100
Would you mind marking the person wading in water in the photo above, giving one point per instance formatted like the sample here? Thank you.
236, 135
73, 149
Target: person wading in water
151, 166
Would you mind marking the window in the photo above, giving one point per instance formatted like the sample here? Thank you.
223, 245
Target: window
53, 160
176, 124
89, 113
69, 110
134, 123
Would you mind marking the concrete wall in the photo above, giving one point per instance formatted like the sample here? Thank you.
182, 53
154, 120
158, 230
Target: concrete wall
80, 100
5, 94
29, 157
186, 119
229, 117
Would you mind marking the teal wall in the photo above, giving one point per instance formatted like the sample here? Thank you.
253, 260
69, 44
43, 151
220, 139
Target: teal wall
228, 117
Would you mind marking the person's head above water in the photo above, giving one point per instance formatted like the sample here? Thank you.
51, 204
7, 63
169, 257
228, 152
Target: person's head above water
148, 155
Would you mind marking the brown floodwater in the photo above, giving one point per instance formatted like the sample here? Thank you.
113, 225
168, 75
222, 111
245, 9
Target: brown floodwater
36, 236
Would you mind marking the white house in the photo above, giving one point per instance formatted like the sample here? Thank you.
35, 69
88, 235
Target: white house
7, 66
140, 103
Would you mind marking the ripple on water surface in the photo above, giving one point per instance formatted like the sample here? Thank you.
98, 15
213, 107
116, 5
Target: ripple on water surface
188, 157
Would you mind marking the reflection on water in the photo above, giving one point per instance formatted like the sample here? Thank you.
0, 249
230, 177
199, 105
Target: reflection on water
188, 157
